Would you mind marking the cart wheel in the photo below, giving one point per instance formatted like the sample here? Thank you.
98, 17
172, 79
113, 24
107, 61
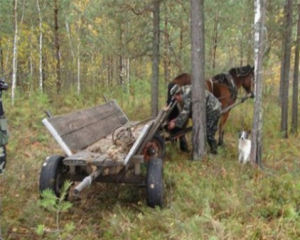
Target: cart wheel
53, 174
155, 148
160, 142
155, 183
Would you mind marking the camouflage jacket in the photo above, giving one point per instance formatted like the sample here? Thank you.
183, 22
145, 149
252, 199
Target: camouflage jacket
212, 104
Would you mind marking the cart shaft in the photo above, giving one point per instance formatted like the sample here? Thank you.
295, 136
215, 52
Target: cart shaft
86, 182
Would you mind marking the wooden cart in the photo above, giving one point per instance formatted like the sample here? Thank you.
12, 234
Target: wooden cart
101, 144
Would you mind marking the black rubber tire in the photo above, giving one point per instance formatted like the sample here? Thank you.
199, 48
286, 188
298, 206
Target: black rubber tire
53, 174
155, 185
160, 141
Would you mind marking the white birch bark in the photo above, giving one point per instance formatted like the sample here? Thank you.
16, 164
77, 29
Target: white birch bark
69, 37
78, 57
78, 68
257, 17
15, 48
259, 22
40, 47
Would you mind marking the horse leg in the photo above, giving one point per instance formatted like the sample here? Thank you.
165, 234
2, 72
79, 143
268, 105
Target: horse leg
183, 144
223, 120
221, 133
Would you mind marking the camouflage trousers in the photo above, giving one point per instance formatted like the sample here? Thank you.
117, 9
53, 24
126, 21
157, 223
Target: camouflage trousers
212, 120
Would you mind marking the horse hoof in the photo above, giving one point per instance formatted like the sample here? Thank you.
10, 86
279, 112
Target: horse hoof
213, 151
183, 145
184, 148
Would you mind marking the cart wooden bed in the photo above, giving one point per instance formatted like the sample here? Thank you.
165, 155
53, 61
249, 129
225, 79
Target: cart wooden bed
101, 144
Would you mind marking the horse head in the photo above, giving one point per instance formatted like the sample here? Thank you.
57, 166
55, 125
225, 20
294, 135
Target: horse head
244, 76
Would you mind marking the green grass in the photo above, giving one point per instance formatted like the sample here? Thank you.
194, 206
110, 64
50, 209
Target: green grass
213, 199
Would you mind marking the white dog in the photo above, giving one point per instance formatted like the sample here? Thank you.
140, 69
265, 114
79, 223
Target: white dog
244, 146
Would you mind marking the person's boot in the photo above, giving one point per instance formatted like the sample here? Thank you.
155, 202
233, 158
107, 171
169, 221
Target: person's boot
183, 144
213, 146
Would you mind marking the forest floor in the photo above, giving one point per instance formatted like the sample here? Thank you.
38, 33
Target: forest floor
213, 199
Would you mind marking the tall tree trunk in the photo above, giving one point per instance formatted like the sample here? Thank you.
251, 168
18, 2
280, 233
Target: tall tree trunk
78, 55
215, 40
15, 50
286, 69
56, 44
241, 50
1, 59
121, 65
182, 32
155, 58
166, 50
198, 79
282, 70
259, 23
31, 83
69, 38
110, 72
294, 124
78, 67
40, 47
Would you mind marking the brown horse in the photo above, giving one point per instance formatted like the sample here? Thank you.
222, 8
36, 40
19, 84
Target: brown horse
225, 87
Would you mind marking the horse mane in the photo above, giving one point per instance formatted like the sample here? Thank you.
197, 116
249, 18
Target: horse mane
241, 71
182, 79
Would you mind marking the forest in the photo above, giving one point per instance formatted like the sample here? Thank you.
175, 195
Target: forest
64, 55
82, 44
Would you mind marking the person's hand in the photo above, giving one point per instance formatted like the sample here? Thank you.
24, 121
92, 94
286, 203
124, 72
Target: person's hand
171, 125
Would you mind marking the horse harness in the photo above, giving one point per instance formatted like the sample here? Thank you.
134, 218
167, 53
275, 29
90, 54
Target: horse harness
227, 79
232, 86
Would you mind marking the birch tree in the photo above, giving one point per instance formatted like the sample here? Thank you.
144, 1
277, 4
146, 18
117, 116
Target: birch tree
1, 58
57, 47
40, 47
259, 24
198, 79
15, 48
78, 56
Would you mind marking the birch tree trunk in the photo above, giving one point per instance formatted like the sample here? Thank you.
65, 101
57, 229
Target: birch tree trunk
166, 50
198, 79
1, 58
78, 66
15, 50
40, 47
78, 56
215, 40
69, 38
294, 123
259, 24
56, 44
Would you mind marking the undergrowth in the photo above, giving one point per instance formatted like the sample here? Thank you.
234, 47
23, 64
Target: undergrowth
213, 199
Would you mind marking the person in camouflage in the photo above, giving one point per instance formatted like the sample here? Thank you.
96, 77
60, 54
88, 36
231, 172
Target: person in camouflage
213, 112
174, 113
